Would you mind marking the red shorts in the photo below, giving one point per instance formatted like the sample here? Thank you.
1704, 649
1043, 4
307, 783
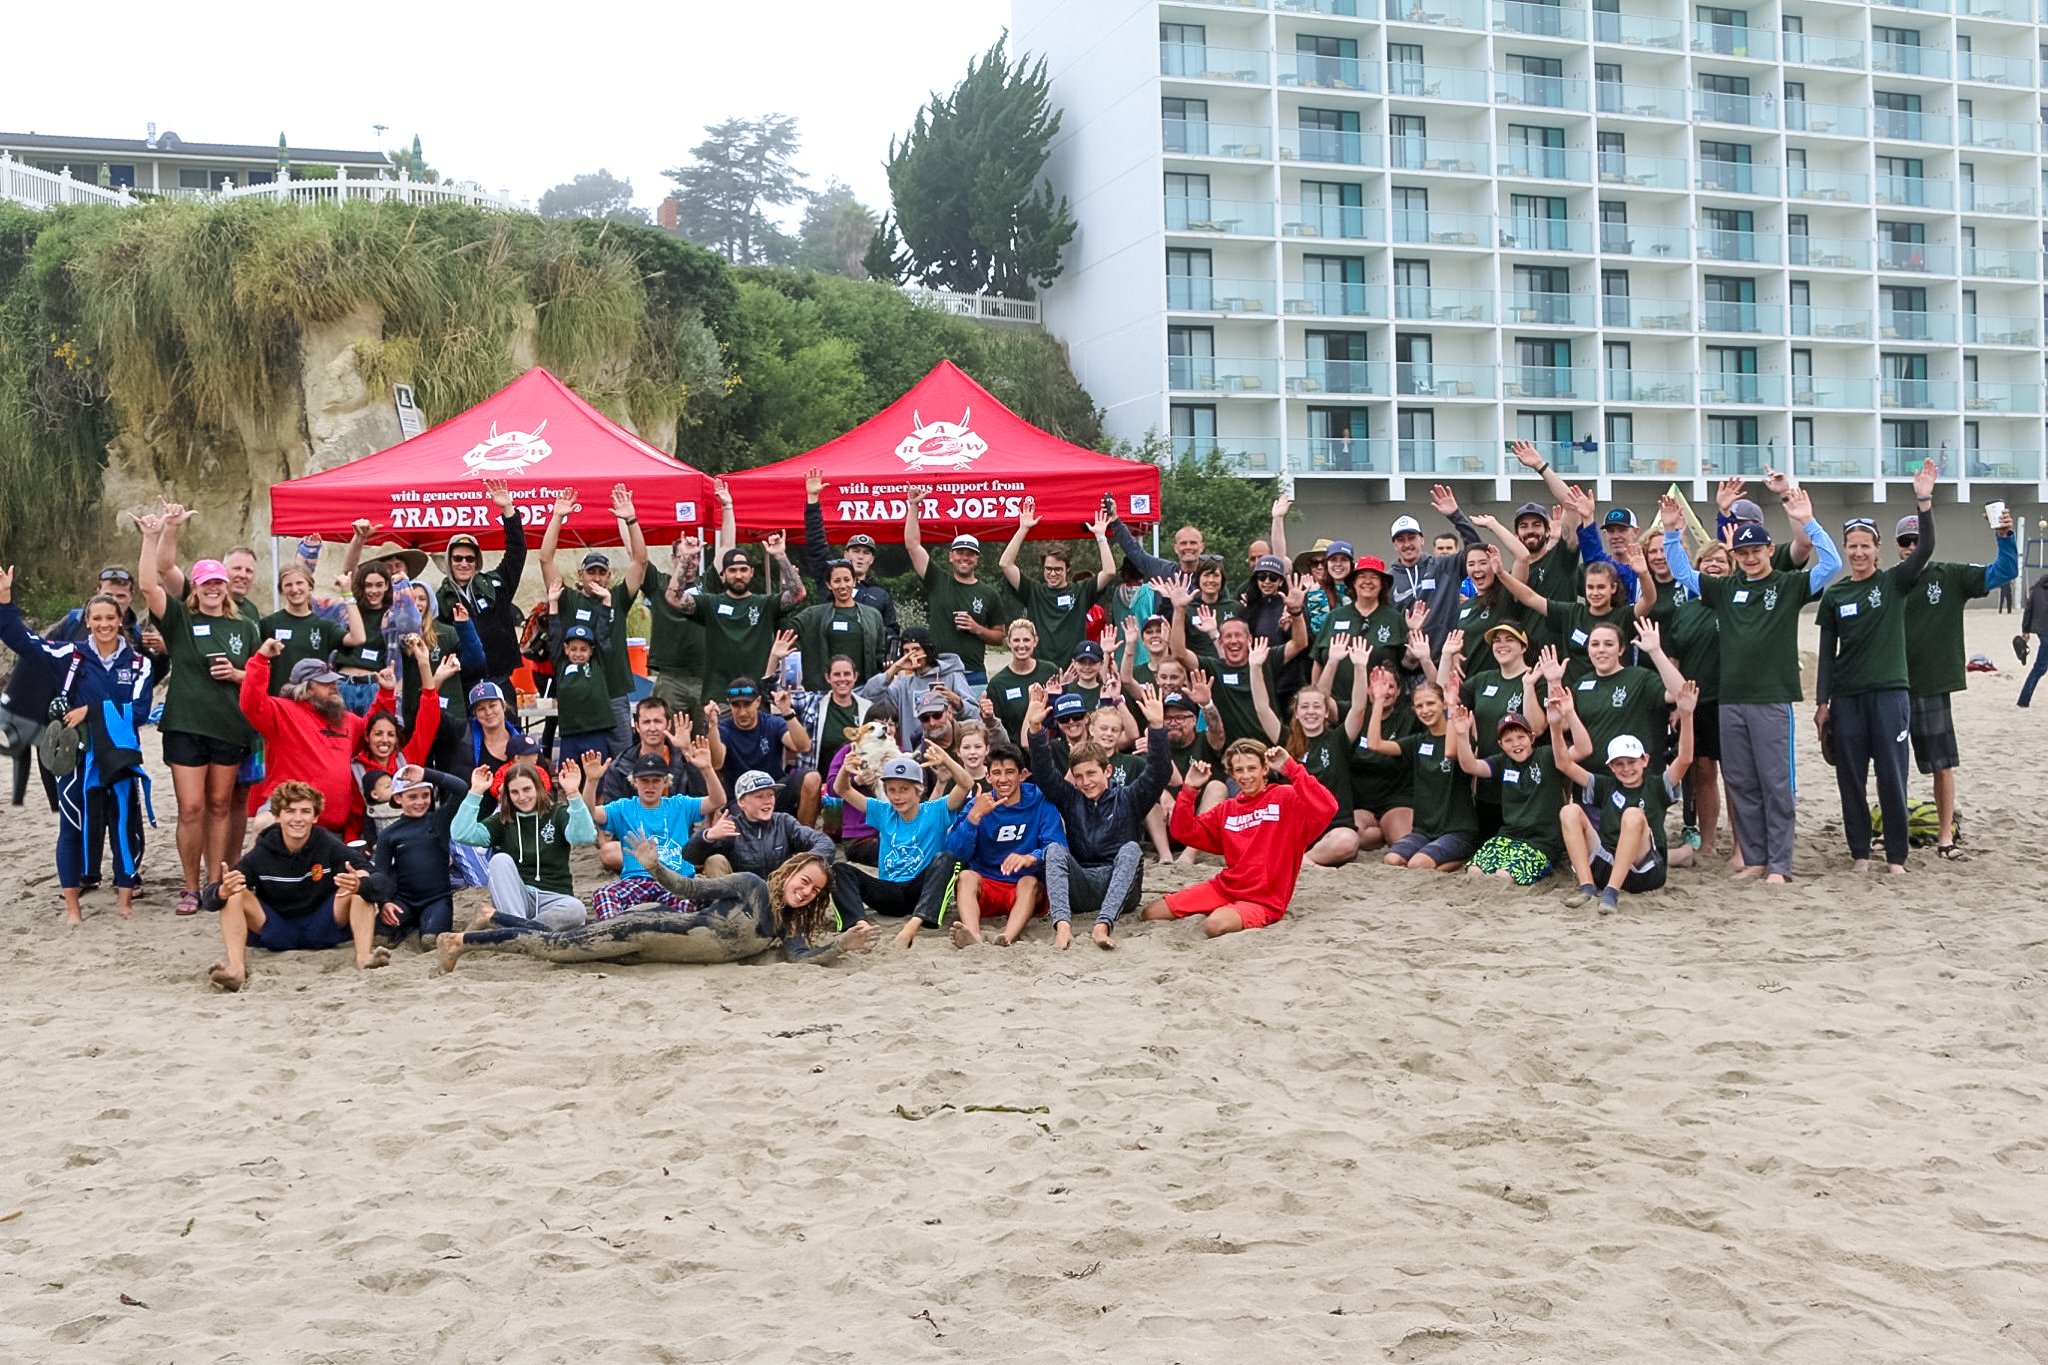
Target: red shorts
994, 898
1203, 897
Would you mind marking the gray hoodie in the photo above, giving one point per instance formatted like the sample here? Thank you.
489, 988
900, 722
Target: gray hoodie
902, 692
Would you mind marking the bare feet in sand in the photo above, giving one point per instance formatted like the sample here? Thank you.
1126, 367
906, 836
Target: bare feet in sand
1860, 866
228, 981
1102, 937
1743, 874
1062, 935
907, 935
1777, 879
964, 937
483, 917
447, 948
1896, 869
380, 956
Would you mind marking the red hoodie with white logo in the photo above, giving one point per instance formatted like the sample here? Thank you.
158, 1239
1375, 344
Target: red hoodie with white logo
1260, 837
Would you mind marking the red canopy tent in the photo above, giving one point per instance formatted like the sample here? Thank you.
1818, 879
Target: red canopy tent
978, 459
534, 434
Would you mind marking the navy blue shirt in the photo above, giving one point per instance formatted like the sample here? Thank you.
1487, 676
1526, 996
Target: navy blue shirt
760, 747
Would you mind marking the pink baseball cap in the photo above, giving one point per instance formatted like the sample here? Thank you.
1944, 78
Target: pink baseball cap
209, 571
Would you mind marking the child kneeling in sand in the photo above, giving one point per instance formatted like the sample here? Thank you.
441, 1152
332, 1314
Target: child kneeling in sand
298, 886
1262, 833
1616, 839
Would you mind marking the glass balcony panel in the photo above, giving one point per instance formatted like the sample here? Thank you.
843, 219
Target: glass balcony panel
1914, 192
1908, 59
1245, 217
1990, 69
1649, 386
1431, 303
1412, 80
1645, 239
1818, 49
1903, 462
1827, 187
1546, 21
1834, 462
1548, 381
1205, 294
1916, 258
1637, 459
1726, 40
1986, 396
1347, 221
1991, 329
1908, 125
1232, 141
1327, 146
1936, 394
1444, 381
2014, 11
1545, 163
1719, 459
1634, 30
1318, 72
1408, 152
1841, 120
1338, 454
1240, 454
1828, 253
1439, 13
1645, 313
1546, 234
1832, 392
1642, 101
1442, 229
1199, 61
1755, 111
1337, 376
1743, 389
1897, 325
1998, 135
1737, 177
1649, 172
2007, 463
1549, 310
1449, 457
1979, 197
1999, 263
1838, 324
1753, 318
1719, 245
1542, 92
1325, 298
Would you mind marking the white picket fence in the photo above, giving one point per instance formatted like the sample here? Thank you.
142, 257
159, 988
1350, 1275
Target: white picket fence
40, 189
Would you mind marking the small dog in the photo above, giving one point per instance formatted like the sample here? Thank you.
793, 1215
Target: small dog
872, 747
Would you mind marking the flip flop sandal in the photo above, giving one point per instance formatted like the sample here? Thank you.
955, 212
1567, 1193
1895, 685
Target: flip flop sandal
188, 902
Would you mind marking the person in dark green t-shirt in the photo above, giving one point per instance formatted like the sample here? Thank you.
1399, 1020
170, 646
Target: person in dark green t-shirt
1446, 828
599, 601
1567, 620
1008, 695
1756, 610
304, 634
675, 638
739, 623
1863, 708
1614, 698
1531, 795
1615, 839
960, 610
1058, 604
840, 626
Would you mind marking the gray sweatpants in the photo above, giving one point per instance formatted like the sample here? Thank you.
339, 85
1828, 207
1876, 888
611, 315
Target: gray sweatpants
1109, 889
1756, 765
520, 905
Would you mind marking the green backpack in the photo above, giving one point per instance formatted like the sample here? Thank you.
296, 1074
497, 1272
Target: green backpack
1923, 824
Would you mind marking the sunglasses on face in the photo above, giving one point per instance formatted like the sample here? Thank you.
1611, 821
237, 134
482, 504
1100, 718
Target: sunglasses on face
1267, 577
462, 559
1908, 541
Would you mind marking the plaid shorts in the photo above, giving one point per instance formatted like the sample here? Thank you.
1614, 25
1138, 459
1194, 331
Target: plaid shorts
1934, 734
627, 892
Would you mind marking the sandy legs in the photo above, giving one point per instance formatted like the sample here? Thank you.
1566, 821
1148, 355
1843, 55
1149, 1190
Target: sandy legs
244, 915
967, 901
1336, 848
448, 947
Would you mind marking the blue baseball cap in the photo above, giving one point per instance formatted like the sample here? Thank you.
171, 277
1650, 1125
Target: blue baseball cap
1068, 705
1752, 533
579, 632
1339, 547
485, 691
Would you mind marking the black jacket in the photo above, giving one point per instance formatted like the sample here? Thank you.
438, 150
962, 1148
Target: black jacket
412, 851
815, 550
491, 607
1096, 829
295, 885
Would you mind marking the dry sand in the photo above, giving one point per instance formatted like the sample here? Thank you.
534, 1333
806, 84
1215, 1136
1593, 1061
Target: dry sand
1420, 1120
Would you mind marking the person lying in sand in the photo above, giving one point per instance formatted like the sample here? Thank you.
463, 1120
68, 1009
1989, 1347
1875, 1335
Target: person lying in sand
734, 918
298, 886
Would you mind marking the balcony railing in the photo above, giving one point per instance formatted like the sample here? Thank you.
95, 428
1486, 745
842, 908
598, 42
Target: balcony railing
1338, 454
1920, 394
1908, 59
1720, 315
1831, 392
1840, 120
1717, 244
2013, 11
1330, 147
2006, 463
1646, 314
1326, 298
1819, 49
1347, 221
1895, 324
1337, 376
1635, 459
1827, 187
1834, 462
1411, 80
1444, 381
1223, 374
1828, 253
1998, 135
1199, 61
1743, 390
1986, 396
1233, 141
1736, 177
1413, 152
1545, 163
1727, 40
1916, 258
1649, 386
1993, 329
1982, 198
1990, 69
1433, 303
1903, 462
1439, 13
1245, 217
1449, 457
2001, 263
1834, 324
1645, 239
1546, 234
1641, 101
1649, 172
1631, 30
1542, 92
1914, 192
1203, 294
1753, 111
1545, 21
1549, 381
1310, 70
1548, 310
1243, 454
1727, 458
1418, 227
1910, 125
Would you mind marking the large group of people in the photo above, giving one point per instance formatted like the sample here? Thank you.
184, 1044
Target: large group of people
1524, 701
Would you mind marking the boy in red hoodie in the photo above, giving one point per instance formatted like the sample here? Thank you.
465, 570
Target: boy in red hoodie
1261, 832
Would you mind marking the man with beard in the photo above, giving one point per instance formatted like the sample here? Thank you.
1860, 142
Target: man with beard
1553, 567
739, 623
309, 736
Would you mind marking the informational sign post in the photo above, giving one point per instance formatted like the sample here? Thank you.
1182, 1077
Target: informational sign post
409, 423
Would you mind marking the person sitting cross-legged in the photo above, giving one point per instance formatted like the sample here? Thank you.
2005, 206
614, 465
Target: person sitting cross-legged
664, 819
1001, 843
298, 886
1616, 839
913, 871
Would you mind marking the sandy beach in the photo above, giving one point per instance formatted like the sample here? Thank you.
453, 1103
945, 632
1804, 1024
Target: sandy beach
1421, 1120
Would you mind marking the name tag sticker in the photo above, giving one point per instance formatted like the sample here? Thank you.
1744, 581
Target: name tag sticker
1742, 595
1578, 637
281, 633
202, 630
1850, 609
583, 615
1425, 585
1513, 775
1013, 694
1231, 679
1491, 690
842, 625
1587, 685
1064, 600
1425, 749
1620, 801
725, 608
370, 655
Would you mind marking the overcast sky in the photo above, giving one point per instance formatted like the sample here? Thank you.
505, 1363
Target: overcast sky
517, 99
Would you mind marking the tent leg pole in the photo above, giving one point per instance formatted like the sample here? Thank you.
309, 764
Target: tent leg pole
274, 604
1155, 539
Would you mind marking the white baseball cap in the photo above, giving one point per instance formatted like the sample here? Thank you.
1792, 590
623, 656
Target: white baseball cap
1403, 525
1625, 746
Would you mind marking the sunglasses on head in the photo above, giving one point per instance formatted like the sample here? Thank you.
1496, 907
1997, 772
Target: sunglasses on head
117, 576
743, 694
1860, 524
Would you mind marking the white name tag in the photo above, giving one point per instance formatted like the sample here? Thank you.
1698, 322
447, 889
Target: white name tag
1426, 750
202, 630
1620, 801
1013, 694
1742, 595
1578, 637
725, 608
1850, 608
583, 615
370, 655
281, 634
1491, 690
1231, 679
1587, 685
1064, 600
1513, 775
1425, 585
842, 625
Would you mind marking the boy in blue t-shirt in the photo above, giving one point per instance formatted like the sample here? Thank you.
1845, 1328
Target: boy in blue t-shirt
912, 870
667, 820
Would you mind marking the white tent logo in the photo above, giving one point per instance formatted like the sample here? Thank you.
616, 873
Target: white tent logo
940, 445
503, 452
